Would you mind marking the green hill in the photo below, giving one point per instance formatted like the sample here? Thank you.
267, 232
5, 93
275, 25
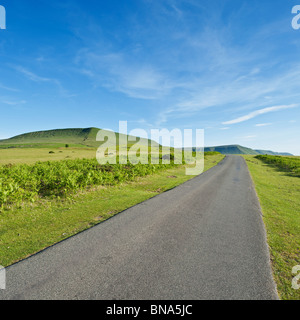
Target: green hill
232, 149
237, 149
87, 138
61, 137
272, 153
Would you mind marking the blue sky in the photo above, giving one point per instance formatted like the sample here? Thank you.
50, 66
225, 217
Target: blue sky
229, 67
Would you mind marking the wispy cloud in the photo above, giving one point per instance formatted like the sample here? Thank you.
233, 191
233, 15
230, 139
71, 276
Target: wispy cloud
263, 124
8, 88
249, 137
136, 80
259, 112
13, 102
186, 69
34, 77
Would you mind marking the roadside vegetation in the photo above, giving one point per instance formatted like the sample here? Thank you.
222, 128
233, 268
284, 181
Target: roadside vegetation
277, 184
66, 197
19, 183
288, 164
33, 155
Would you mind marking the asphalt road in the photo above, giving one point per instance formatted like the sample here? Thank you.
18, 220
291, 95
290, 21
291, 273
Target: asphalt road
202, 240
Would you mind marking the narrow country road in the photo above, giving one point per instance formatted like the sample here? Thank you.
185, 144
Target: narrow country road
202, 240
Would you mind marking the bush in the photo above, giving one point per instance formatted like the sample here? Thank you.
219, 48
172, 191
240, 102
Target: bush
288, 164
20, 183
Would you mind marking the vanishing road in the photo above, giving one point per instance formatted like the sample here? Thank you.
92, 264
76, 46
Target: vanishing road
202, 240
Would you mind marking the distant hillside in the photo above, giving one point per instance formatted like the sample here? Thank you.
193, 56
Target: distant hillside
60, 137
232, 149
272, 153
237, 149
87, 138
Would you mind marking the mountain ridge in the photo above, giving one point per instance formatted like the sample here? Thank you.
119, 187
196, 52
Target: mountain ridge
76, 137
237, 149
86, 137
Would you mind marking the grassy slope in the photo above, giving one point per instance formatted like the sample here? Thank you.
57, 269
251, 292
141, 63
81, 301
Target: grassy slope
232, 149
32, 228
269, 152
59, 138
237, 149
279, 195
32, 155
87, 138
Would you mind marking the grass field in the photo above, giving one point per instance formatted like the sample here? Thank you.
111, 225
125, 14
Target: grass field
31, 227
32, 155
287, 164
76, 137
19, 183
278, 189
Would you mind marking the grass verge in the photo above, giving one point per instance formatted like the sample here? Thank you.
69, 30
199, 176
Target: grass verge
32, 155
34, 227
279, 195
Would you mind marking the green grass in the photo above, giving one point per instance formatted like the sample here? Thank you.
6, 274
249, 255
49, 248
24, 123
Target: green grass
287, 164
19, 183
279, 194
33, 227
231, 149
42, 153
60, 137
31, 182
32, 155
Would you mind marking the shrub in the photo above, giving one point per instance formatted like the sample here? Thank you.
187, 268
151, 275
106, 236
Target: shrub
20, 183
288, 164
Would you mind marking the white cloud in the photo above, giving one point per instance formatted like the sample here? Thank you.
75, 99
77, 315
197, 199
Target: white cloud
8, 88
191, 69
249, 137
32, 76
116, 72
259, 112
13, 102
36, 78
263, 124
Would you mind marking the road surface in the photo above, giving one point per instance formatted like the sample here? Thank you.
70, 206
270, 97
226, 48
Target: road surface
202, 240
